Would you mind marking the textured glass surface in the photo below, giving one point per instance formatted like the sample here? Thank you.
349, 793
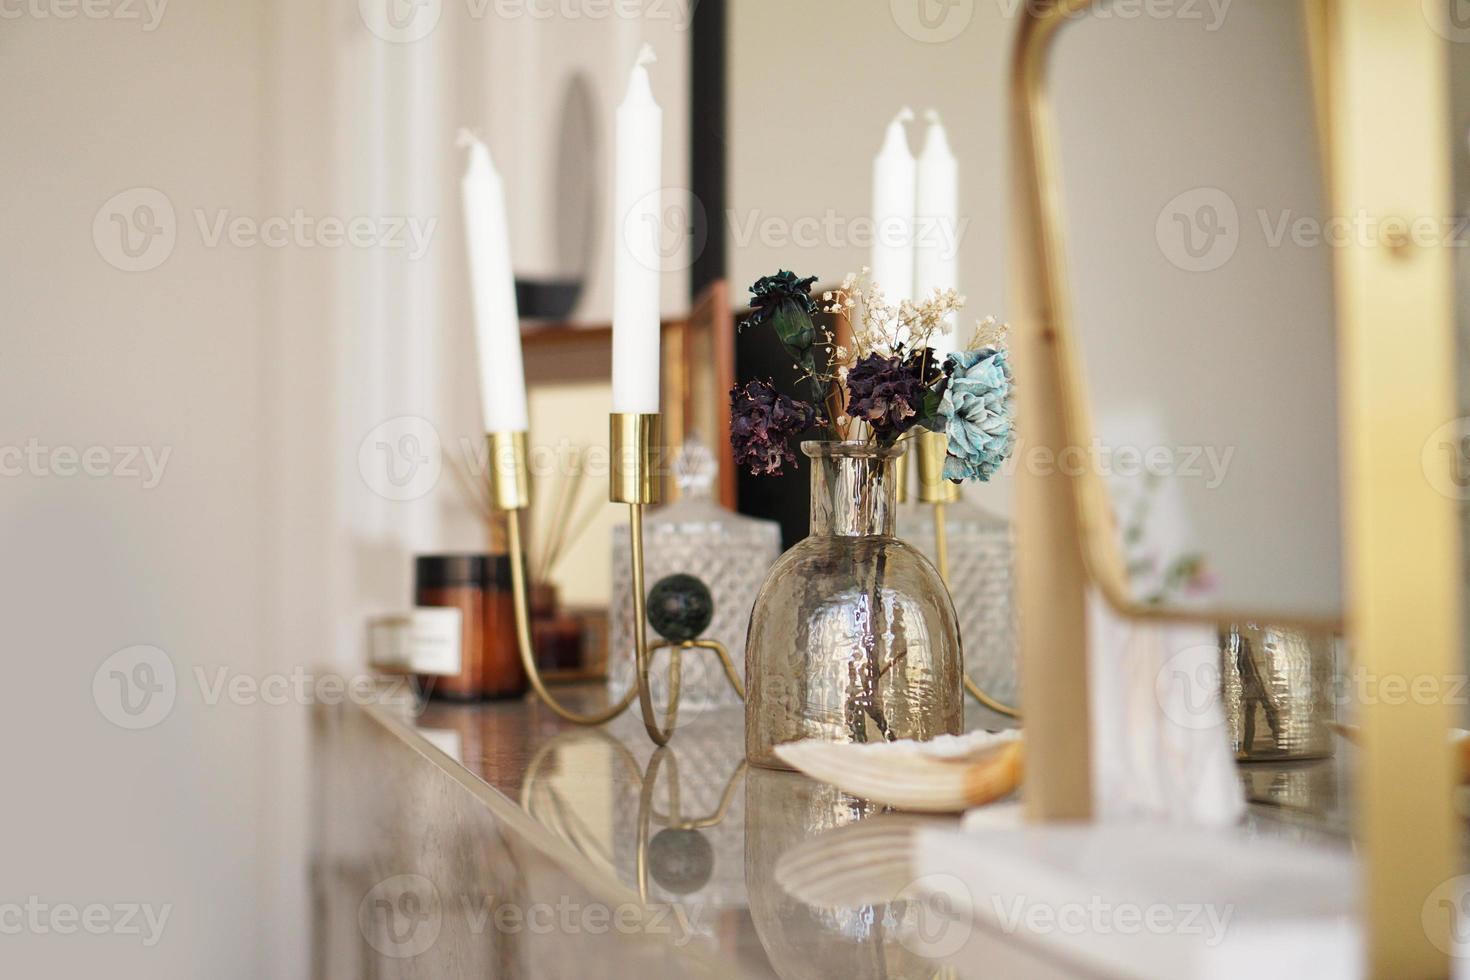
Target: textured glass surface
729, 552
855, 940
980, 582
1278, 689
853, 637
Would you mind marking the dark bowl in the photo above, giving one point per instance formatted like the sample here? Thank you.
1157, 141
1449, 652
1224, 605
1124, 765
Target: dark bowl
547, 299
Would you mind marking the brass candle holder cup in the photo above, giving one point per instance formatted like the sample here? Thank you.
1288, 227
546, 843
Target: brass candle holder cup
633, 480
937, 492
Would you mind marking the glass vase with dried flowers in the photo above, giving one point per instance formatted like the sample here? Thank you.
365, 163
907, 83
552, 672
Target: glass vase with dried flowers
853, 635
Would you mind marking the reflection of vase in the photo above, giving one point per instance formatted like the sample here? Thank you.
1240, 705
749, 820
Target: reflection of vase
853, 636
857, 941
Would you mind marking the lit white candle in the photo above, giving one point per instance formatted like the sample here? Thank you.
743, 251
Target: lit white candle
936, 208
892, 261
636, 259
493, 291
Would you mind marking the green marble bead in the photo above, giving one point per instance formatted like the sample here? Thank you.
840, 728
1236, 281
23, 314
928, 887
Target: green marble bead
680, 607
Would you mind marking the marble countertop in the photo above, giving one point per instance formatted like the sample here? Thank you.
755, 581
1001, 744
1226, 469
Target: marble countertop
692, 831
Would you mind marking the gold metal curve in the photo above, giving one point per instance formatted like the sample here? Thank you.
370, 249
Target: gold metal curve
634, 439
719, 649
523, 635
659, 735
941, 562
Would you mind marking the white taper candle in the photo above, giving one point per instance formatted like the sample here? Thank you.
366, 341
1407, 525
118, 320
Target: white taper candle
636, 258
492, 289
936, 238
893, 213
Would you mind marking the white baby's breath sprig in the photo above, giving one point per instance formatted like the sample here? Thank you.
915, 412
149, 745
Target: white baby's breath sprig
883, 327
989, 332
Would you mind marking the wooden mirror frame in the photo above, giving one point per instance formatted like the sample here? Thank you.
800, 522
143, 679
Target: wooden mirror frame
1381, 88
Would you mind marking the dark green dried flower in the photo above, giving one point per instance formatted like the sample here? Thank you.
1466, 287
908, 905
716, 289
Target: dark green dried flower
785, 302
771, 296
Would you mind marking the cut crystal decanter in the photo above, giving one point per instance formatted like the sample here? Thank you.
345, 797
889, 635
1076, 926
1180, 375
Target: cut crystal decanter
979, 551
729, 552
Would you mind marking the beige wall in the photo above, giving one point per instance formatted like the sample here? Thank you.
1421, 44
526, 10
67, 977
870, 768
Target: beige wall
263, 371
173, 359
811, 87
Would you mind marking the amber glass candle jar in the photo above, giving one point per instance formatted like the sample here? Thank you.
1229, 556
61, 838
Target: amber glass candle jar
456, 581
502, 675
557, 636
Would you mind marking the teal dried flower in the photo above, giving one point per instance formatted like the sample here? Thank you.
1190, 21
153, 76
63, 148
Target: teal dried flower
978, 413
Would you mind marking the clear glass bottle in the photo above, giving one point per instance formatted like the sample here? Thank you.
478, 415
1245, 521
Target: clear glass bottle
729, 552
980, 569
853, 637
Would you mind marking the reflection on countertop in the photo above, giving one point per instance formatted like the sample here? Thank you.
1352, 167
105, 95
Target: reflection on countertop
717, 852
692, 826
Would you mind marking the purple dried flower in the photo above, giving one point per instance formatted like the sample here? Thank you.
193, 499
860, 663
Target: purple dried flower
761, 421
887, 393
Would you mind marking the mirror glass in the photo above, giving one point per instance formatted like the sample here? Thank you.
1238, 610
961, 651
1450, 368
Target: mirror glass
1199, 253
1200, 258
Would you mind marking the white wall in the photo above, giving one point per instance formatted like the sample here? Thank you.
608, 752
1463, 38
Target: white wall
528, 64
811, 86
172, 360
275, 377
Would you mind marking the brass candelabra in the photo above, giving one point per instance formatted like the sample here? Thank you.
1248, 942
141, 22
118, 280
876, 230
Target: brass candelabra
633, 481
938, 492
